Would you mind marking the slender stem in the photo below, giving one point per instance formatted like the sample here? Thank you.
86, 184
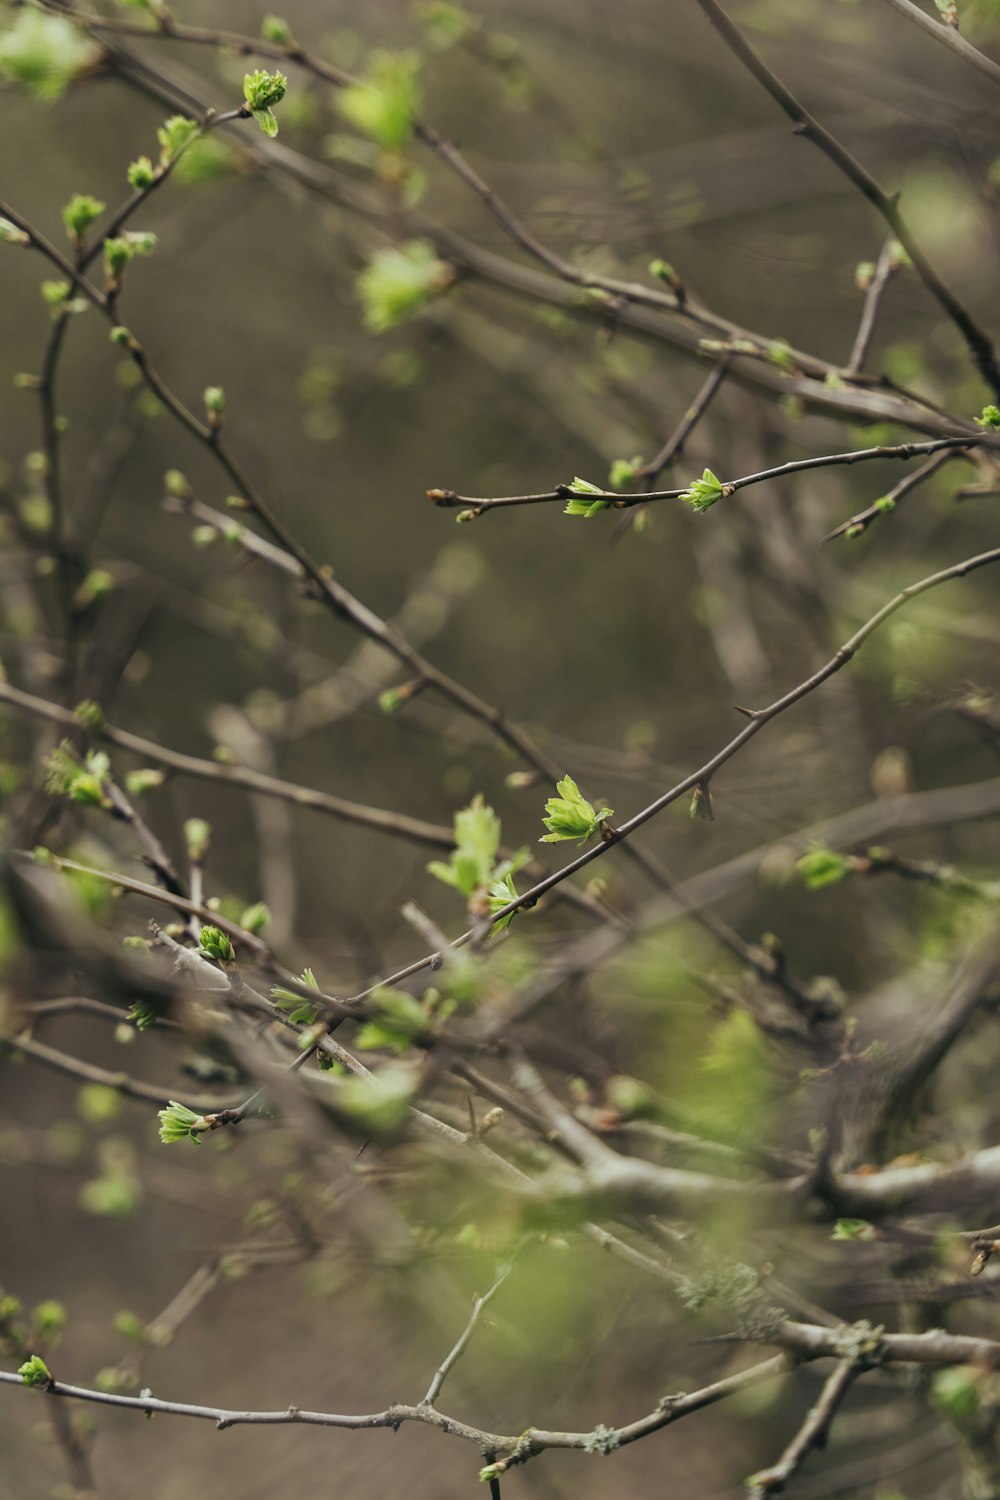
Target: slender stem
455, 1353
812, 1434
449, 500
885, 268
979, 344
948, 36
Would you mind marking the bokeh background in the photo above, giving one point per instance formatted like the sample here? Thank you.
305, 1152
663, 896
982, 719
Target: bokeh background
620, 133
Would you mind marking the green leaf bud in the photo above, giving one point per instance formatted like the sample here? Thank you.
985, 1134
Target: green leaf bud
173, 135
141, 173
571, 816
822, 866
197, 836
215, 944
584, 507
255, 917
178, 1123
79, 213
55, 293
215, 405
177, 484
11, 235
704, 492
147, 779
117, 254
35, 1371
274, 29
624, 472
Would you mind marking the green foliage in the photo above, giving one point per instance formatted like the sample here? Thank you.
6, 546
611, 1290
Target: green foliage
446, 24
178, 1123
66, 777
571, 816
301, 1012
48, 1321
35, 1371
117, 254
215, 944
704, 492
197, 837
56, 292
262, 90
734, 1092
97, 585
11, 235
130, 1327
79, 213
45, 53
852, 1229
477, 839
141, 173
990, 418
664, 271
955, 1393
143, 1015
173, 135
275, 29
98, 1104
214, 398
399, 282
384, 103
146, 779
206, 159
255, 917
398, 1022
379, 1106
140, 241
473, 870
821, 866
502, 892
624, 472
584, 507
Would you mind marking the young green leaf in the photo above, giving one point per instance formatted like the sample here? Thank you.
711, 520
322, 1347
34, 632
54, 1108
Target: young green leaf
704, 492
821, 866
45, 53
174, 134
400, 1019
571, 816
383, 104
35, 1371
215, 944
300, 1011
79, 213
398, 282
178, 1123
584, 507
624, 472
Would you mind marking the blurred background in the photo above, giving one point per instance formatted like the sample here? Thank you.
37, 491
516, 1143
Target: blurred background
619, 134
